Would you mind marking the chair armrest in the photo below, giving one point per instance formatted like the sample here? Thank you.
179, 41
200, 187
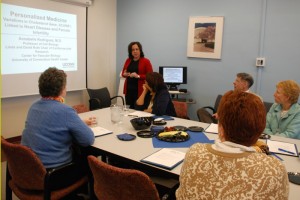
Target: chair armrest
210, 108
120, 97
205, 116
95, 103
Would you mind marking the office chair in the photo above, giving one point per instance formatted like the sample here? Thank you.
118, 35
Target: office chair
205, 113
181, 109
267, 105
100, 98
113, 183
28, 179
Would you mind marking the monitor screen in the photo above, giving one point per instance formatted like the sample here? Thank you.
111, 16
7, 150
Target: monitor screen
174, 75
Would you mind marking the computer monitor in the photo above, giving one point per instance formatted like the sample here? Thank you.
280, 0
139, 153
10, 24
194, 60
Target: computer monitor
173, 76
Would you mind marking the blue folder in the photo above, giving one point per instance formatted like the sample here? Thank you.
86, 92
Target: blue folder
165, 117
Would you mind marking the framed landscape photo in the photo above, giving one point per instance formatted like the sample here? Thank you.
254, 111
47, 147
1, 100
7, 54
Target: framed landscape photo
205, 37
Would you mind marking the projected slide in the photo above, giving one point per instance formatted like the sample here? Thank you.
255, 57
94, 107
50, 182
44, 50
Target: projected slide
173, 75
34, 39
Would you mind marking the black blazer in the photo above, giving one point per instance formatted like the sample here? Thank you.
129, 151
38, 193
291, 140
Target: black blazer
162, 103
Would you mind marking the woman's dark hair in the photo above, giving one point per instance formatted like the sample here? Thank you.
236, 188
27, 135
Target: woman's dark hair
242, 116
130, 49
52, 82
155, 81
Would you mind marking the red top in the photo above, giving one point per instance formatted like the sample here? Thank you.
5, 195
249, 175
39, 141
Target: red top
143, 68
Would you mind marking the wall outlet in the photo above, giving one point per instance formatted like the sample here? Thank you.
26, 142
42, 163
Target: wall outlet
260, 62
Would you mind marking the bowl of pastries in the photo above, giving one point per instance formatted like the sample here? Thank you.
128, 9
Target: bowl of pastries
172, 134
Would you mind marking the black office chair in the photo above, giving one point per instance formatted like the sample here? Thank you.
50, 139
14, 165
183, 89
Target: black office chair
267, 105
205, 113
100, 98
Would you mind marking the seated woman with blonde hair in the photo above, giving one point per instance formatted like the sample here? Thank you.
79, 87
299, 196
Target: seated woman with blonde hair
283, 118
231, 168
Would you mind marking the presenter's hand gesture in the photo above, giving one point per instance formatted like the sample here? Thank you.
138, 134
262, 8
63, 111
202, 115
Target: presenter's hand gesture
134, 75
126, 74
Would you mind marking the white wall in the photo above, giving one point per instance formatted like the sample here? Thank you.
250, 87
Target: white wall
101, 68
102, 45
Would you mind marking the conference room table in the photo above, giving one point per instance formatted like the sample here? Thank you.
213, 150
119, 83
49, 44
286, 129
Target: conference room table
131, 152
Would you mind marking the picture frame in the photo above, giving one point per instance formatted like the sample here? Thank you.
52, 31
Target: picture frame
205, 37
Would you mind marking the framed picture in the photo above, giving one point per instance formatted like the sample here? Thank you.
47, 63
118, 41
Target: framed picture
205, 37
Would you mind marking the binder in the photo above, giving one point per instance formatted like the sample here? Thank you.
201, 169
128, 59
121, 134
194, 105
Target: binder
165, 158
284, 148
99, 131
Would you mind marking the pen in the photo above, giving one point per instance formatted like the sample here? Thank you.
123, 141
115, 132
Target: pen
286, 151
273, 154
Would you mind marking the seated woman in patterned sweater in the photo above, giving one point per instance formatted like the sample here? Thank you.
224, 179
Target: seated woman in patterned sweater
231, 168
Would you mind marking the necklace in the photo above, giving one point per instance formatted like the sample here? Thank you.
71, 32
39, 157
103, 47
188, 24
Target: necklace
59, 99
283, 113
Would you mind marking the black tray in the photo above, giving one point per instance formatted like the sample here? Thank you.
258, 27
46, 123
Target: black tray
178, 137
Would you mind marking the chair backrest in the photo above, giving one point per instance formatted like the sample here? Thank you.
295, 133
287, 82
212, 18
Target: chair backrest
267, 105
102, 95
217, 102
25, 168
113, 183
205, 113
181, 109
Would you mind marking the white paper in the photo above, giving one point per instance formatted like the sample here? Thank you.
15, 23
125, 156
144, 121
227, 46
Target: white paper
165, 157
274, 147
99, 131
212, 128
140, 114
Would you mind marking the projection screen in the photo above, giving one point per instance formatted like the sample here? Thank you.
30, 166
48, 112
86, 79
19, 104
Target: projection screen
36, 35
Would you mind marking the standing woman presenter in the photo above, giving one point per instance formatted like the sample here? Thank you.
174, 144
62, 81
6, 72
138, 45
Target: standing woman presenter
135, 69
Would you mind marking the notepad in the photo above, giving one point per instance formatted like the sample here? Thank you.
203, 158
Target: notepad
212, 128
99, 131
165, 158
140, 114
282, 147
